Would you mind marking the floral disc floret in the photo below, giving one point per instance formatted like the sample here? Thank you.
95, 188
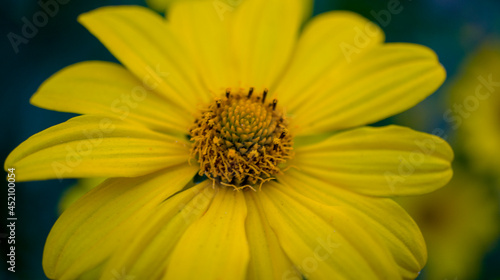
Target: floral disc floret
240, 140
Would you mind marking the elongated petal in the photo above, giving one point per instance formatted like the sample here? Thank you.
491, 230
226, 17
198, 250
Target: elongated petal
324, 47
210, 242
91, 146
387, 80
263, 38
146, 256
386, 161
204, 28
267, 259
140, 39
324, 242
108, 89
382, 217
106, 218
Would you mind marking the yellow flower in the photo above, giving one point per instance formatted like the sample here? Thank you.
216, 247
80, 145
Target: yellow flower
459, 224
475, 108
269, 114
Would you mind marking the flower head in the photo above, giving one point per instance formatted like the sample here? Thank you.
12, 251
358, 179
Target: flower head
241, 141
266, 116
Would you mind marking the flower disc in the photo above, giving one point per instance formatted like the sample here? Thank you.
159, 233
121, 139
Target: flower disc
241, 140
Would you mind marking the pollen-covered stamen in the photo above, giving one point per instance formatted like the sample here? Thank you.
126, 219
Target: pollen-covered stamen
240, 141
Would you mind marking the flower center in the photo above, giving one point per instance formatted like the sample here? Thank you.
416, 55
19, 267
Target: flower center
240, 140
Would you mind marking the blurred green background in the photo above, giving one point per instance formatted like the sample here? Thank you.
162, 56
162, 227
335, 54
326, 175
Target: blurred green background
460, 222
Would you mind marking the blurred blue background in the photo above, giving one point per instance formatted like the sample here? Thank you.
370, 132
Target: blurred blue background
451, 28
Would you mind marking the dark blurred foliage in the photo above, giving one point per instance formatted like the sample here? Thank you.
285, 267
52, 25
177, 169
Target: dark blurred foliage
452, 28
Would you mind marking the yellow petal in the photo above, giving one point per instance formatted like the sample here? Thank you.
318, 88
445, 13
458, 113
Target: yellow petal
141, 40
385, 161
263, 37
324, 47
267, 259
91, 146
381, 216
203, 27
108, 89
146, 256
106, 218
385, 81
324, 242
214, 241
